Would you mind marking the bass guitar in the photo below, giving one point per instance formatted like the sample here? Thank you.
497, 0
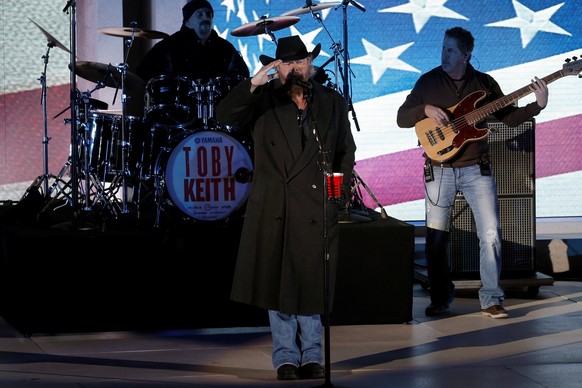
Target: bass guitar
442, 143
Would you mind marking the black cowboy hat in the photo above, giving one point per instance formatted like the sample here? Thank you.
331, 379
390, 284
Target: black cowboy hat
291, 48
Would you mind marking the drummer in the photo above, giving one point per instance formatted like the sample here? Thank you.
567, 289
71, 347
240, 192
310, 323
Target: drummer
195, 51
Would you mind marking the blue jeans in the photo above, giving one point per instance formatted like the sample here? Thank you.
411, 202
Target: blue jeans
480, 191
296, 338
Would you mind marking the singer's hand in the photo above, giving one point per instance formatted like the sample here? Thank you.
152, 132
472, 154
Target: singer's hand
263, 76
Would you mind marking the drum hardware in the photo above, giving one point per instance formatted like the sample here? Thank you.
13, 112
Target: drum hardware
265, 25
310, 8
46, 177
127, 82
106, 73
168, 101
132, 31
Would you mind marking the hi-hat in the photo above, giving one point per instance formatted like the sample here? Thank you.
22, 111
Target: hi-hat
137, 32
309, 9
108, 74
264, 25
51, 39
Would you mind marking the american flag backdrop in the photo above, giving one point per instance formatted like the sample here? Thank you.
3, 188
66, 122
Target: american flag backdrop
390, 43
381, 47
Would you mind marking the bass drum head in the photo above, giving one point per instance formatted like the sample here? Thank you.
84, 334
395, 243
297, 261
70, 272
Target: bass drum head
207, 174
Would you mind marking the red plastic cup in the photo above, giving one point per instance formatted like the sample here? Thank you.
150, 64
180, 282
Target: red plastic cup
334, 185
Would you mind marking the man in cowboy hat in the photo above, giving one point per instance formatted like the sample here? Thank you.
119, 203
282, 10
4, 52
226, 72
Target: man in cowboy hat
300, 132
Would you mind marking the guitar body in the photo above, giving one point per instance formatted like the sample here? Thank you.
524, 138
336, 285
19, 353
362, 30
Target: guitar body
442, 143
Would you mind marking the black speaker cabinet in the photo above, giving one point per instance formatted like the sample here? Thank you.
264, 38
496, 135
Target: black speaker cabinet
513, 157
512, 161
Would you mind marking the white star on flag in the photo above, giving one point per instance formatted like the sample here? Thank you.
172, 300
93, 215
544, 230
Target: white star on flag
308, 38
229, 5
380, 60
530, 22
423, 10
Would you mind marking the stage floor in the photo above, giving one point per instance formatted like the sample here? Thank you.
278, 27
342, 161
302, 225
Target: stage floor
538, 346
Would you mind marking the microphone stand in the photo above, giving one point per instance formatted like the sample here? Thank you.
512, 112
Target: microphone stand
326, 171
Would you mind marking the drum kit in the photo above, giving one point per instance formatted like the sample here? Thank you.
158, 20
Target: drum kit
177, 155
174, 157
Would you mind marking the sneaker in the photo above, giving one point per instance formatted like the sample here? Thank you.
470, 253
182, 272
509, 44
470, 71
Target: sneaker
287, 372
434, 310
312, 370
495, 311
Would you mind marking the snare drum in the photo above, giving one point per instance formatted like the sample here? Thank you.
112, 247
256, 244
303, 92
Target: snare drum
168, 101
206, 175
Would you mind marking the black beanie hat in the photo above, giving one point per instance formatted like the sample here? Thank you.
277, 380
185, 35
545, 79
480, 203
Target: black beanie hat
191, 7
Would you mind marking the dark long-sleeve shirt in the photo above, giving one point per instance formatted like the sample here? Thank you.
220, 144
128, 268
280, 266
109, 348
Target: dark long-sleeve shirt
183, 54
437, 88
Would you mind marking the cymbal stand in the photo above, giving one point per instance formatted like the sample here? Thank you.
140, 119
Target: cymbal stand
45, 177
335, 46
268, 31
122, 68
71, 9
359, 181
348, 70
123, 140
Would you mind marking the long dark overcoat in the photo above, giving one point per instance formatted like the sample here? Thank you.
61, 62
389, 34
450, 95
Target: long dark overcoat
281, 257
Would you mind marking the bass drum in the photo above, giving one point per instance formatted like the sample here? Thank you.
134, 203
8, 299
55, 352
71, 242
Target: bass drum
206, 175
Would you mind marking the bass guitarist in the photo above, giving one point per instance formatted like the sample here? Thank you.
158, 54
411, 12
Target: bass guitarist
455, 161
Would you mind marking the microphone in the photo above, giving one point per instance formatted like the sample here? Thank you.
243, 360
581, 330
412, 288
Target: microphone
308, 4
295, 79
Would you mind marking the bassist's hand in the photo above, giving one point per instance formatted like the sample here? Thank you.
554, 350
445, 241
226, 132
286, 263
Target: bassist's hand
540, 89
437, 114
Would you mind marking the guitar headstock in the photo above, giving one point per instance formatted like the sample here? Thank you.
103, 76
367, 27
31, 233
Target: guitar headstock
573, 66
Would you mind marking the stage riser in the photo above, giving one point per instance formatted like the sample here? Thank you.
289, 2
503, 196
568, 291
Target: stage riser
82, 281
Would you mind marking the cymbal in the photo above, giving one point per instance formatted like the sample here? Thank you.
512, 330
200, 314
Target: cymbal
312, 8
51, 39
108, 74
137, 32
264, 23
97, 104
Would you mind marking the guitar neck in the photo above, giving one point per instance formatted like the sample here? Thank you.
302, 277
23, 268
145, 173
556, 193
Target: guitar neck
481, 113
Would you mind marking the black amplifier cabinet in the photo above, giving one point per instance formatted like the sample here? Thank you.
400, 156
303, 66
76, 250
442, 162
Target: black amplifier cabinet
513, 165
